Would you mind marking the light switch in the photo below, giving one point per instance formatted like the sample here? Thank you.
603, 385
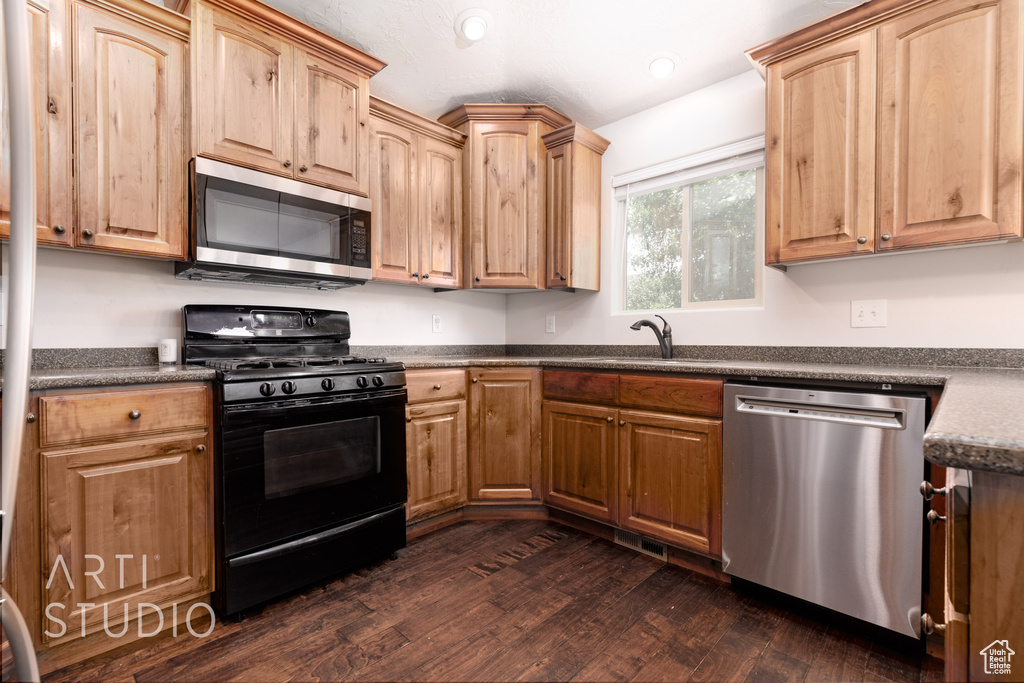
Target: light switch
868, 313
549, 325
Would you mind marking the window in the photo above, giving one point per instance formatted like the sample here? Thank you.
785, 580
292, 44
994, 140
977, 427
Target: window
692, 231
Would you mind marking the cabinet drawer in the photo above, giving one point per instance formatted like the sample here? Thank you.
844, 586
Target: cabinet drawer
435, 385
111, 415
580, 386
678, 395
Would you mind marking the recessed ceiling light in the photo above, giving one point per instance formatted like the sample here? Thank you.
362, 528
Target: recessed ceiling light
662, 64
473, 24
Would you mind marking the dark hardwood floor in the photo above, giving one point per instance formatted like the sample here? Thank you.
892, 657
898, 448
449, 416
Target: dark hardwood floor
520, 601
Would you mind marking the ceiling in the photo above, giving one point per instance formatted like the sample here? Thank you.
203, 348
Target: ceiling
586, 58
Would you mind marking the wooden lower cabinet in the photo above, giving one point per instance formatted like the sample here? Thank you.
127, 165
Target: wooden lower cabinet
504, 420
436, 448
671, 479
580, 463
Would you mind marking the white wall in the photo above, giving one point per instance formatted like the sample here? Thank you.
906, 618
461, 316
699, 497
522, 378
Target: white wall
94, 300
971, 297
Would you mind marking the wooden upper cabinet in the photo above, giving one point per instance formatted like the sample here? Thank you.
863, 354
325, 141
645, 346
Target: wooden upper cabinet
277, 95
244, 94
894, 125
504, 201
51, 104
950, 134
820, 152
573, 204
129, 123
416, 189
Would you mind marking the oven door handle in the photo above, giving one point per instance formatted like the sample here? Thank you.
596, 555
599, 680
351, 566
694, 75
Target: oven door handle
298, 544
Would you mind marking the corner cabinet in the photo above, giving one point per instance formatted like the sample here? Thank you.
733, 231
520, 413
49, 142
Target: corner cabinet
504, 202
274, 94
416, 190
573, 202
893, 126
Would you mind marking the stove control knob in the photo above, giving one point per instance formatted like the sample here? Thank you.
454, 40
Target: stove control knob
378, 381
327, 384
267, 389
361, 382
310, 320
288, 387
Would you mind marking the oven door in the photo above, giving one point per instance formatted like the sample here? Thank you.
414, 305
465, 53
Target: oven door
290, 469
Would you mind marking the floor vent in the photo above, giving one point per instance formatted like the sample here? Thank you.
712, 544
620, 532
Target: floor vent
642, 545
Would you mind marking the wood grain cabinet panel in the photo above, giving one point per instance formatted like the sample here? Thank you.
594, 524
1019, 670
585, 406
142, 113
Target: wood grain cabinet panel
671, 474
435, 385
675, 394
573, 203
580, 460
51, 104
504, 451
820, 152
416, 183
568, 385
130, 162
436, 438
950, 136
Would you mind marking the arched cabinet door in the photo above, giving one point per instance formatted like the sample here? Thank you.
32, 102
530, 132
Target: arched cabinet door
130, 136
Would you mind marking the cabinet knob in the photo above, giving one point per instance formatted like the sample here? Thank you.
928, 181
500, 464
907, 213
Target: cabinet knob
30, 418
287, 163
134, 415
610, 419
51, 106
200, 448
622, 423
303, 168
934, 517
87, 234
59, 229
474, 380
862, 240
415, 274
929, 626
886, 237
477, 279
437, 387
408, 419
426, 276
562, 278
929, 491
270, 76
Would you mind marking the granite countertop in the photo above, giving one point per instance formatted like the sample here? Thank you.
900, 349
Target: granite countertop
977, 424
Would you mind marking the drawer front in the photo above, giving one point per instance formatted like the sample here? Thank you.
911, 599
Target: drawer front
435, 385
677, 395
561, 385
110, 415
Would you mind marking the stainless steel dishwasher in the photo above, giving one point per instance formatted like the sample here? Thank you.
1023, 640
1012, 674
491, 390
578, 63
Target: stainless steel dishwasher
820, 498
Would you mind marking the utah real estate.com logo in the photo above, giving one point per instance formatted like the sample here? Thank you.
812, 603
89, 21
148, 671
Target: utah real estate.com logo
997, 657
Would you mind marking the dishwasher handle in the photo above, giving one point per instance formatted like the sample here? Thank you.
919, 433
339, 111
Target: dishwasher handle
861, 417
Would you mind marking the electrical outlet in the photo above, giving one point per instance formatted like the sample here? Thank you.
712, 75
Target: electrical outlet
435, 325
869, 313
549, 325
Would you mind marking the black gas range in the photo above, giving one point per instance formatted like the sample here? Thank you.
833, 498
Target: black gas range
311, 476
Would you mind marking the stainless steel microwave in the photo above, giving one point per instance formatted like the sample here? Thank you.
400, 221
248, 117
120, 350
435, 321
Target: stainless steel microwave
249, 226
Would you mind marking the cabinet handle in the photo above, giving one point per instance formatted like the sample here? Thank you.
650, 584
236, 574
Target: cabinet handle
886, 237
134, 415
474, 380
87, 234
426, 276
303, 168
929, 491
622, 423
929, 626
862, 240
200, 449
408, 419
30, 418
610, 419
287, 163
416, 275
59, 229
934, 517
477, 279
51, 106
270, 76
437, 387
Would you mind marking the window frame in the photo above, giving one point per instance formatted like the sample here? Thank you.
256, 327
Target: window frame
686, 171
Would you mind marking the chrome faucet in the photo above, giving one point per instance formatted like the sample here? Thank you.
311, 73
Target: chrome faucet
664, 335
